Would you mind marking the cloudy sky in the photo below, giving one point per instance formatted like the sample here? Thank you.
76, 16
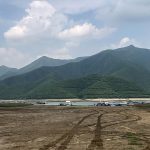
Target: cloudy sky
67, 29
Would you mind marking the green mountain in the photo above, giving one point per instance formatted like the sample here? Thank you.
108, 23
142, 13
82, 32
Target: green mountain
138, 56
46, 61
5, 69
41, 62
93, 86
111, 63
127, 65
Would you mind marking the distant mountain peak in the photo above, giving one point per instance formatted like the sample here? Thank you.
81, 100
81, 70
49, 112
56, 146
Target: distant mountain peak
131, 46
3, 66
49, 58
6, 67
44, 57
127, 48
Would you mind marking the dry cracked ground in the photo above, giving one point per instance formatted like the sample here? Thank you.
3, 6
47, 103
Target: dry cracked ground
74, 128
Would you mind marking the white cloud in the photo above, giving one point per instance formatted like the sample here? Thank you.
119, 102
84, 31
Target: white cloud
44, 27
41, 20
126, 41
77, 6
16, 32
44, 21
135, 10
110, 10
86, 30
13, 58
124, 11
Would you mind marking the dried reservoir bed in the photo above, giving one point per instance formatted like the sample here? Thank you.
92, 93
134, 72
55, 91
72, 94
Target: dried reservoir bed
74, 128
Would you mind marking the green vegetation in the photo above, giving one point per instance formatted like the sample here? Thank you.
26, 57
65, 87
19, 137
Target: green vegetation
143, 106
120, 73
4, 70
133, 139
14, 105
93, 86
44, 61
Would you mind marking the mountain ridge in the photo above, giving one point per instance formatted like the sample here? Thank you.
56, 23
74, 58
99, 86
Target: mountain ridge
40, 62
4, 69
111, 63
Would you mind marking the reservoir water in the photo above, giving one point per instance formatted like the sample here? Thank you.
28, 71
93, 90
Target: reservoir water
72, 103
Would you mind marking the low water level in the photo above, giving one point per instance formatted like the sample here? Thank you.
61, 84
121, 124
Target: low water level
72, 103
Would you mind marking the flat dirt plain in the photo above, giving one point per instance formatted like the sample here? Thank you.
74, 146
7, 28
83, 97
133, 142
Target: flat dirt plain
74, 128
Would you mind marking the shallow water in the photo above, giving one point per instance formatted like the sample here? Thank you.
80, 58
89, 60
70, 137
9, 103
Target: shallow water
72, 103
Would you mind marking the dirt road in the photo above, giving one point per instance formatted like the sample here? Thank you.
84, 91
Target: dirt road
74, 128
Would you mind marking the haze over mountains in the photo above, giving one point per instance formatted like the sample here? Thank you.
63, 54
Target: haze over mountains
6, 72
124, 72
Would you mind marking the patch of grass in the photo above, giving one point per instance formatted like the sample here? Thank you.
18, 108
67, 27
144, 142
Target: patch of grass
133, 139
144, 107
7, 105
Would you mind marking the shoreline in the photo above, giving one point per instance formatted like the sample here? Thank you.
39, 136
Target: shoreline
77, 100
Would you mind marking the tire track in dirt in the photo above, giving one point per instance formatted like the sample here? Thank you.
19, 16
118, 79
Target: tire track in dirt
74, 130
127, 121
94, 124
123, 121
97, 141
146, 140
67, 136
